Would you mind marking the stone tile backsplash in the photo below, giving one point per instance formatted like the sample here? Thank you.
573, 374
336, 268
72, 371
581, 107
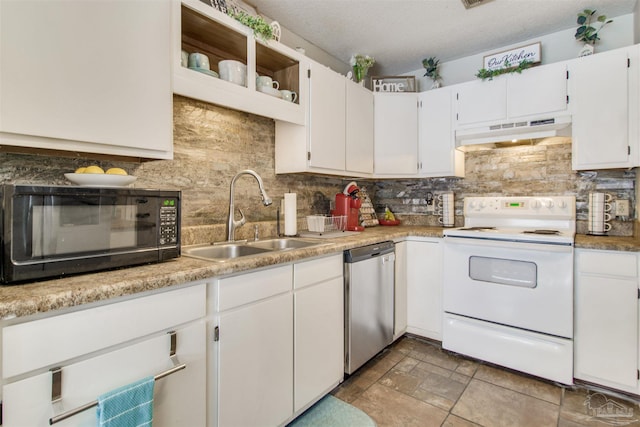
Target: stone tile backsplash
212, 144
532, 170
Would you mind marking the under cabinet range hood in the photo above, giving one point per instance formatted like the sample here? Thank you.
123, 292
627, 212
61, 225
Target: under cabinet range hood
497, 135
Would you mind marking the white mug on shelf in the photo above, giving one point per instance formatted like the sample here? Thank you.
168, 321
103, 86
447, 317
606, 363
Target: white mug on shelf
446, 209
599, 216
199, 60
266, 81
289, 95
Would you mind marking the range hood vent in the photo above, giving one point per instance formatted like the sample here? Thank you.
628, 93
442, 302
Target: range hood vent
513, 131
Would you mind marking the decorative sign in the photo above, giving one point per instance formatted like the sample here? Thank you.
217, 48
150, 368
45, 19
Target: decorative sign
511, 58
393, 84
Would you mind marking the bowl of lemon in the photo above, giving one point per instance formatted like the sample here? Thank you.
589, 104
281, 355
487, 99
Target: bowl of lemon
95, 176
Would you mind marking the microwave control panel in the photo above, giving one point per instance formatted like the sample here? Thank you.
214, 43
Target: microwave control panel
169, 222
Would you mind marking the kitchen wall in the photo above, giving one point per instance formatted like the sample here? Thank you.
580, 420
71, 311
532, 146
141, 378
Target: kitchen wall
531, 170
212, 144
558, 46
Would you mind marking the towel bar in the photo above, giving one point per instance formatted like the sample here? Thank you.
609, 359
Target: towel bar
56, 385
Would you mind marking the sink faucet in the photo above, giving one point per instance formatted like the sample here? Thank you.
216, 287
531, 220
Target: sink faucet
232, 224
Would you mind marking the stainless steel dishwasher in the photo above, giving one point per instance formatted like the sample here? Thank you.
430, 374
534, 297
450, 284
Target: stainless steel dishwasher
369, 302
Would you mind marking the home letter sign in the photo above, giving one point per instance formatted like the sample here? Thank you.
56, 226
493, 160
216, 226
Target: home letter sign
393, 84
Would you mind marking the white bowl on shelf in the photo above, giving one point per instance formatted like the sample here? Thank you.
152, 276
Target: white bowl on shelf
233, 71
99, 179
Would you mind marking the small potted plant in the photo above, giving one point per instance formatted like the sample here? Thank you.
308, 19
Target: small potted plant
587, 33
431, 66
259, 26
361, 65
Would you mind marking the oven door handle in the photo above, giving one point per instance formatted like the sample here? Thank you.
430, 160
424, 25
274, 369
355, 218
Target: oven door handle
509, 244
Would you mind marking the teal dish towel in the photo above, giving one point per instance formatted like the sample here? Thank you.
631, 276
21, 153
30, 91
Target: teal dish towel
127, 406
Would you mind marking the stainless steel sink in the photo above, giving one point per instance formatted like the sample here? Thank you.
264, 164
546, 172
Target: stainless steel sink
228, 251
222, 252
283, 243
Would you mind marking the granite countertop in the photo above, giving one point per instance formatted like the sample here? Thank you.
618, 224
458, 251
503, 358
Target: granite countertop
43, 296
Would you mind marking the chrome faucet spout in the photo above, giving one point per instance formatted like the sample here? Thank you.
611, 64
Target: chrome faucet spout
232, 224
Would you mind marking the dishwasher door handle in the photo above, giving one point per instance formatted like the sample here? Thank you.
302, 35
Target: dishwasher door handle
388, 258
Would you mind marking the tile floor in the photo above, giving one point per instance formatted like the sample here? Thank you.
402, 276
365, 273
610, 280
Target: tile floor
415, 383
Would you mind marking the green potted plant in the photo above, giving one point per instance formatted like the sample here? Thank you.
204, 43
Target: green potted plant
259, 26
486, 74
361, 65
587, 33
431, 66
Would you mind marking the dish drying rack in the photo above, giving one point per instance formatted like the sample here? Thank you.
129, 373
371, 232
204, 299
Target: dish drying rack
324, 224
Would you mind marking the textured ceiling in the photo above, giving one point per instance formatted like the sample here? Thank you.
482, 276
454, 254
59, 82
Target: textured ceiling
399, 33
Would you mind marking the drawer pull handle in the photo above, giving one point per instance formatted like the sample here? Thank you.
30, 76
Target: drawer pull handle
56, 383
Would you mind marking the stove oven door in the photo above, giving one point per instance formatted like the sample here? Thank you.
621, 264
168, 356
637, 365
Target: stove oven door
523, 285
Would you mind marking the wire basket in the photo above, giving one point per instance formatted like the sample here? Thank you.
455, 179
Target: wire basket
322, 224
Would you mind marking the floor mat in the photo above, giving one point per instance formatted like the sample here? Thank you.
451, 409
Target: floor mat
332, 412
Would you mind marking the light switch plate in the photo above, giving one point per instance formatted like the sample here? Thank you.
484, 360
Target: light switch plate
622, 208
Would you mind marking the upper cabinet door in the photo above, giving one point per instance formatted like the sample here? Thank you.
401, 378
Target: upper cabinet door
537, 91
481, 101
326, 119
396, 134
438, 154
359, 132
600, 96
87, 76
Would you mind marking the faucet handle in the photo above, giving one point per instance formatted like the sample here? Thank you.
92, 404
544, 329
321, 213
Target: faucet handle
242, 220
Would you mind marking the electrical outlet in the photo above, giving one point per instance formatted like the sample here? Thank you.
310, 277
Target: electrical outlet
622, 208
430, 205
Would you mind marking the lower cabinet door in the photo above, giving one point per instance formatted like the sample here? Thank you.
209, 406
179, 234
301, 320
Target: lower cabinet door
179, 398
424, 289
255, 363
319, 340
606, 331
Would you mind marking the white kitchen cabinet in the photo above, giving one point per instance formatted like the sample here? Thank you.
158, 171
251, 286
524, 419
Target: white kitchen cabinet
538, 92
481, 101
198, 27
604, 97
400, 293
359, 129
424, 287
338, 137
101, 348
395, 135
606, 319
319, 329
437, 144
255, 348
327, 120
77, 76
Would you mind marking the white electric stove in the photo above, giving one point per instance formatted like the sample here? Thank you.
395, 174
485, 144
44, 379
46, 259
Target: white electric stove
508, 284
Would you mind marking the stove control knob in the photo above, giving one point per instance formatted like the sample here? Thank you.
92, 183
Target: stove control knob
535, 204
562, 204
548, 204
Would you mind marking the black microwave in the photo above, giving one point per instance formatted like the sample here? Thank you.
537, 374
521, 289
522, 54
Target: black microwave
53, 231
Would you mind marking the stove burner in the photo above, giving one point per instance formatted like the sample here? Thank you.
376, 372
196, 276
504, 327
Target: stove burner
550, 232
478, 228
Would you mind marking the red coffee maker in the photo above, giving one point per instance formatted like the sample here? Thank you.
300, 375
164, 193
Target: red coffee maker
348, 204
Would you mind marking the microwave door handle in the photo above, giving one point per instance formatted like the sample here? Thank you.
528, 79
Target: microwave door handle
51, 228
